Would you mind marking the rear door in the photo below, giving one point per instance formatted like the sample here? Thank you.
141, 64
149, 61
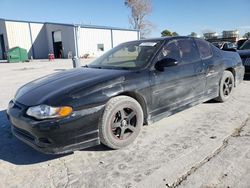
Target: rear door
177, 86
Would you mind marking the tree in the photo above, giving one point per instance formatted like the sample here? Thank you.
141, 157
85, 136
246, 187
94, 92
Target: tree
174, 34
193, 34
168, 33
139, 10
246, 35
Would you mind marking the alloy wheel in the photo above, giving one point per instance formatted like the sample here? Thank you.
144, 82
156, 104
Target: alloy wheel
124, 123
227, 86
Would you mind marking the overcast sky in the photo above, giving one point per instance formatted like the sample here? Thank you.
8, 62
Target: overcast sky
182, 16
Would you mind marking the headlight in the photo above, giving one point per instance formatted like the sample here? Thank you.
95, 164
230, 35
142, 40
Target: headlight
45, 111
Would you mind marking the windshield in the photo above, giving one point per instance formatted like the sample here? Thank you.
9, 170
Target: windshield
131, 55
246, 45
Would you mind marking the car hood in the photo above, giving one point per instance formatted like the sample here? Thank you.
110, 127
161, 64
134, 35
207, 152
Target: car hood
244, 53
59, 85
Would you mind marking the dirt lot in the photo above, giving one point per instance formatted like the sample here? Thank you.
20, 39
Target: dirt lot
205, 146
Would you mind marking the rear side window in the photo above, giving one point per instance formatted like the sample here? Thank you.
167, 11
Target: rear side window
188, 51
204, 48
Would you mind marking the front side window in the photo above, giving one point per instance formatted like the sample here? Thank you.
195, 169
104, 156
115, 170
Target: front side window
132, 55
204, 48
170, 50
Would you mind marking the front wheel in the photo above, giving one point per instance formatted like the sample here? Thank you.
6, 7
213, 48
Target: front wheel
121, 122
226, 86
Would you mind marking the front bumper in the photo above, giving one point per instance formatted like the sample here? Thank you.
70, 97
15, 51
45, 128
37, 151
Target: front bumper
56, 136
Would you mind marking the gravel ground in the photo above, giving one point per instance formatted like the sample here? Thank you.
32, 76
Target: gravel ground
204, 146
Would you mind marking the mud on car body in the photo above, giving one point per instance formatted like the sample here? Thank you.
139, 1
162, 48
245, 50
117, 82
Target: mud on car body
109, 100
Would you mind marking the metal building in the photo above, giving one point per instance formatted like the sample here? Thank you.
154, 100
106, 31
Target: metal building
211, 35
230, 34
227, 36
63, 40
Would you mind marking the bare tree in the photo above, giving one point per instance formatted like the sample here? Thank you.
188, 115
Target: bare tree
139, 10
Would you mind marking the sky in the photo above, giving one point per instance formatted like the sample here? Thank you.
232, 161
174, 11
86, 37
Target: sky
181, 16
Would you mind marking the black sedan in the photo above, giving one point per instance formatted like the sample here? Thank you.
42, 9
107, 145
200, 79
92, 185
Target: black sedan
244, 52
109, 100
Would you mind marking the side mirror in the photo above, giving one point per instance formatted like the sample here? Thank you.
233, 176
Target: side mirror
165, 62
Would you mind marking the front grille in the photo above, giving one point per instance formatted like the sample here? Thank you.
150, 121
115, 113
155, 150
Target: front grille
24, 134
246, 61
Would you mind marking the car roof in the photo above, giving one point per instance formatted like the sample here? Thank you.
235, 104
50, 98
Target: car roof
163, 38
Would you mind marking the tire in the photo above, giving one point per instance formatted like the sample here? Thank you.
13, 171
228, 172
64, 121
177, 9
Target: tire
121, 122
226, 86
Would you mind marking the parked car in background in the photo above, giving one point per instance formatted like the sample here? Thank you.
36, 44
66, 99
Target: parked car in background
240, 43
244, 52
242, 49
217, 44
245, 45
224, 45
109, 100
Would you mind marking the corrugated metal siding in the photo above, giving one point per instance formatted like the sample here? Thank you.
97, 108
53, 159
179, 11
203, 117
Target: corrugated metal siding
39, 39
19, 35
89, 38
120, 36
23, 34
67, 38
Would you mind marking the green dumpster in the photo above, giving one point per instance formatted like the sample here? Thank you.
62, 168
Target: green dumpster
17, 54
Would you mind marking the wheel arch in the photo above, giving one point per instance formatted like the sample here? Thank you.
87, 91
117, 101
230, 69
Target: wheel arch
140, 99
232, 70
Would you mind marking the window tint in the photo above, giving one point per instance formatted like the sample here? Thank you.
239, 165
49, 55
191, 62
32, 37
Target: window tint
188, 51
170, 50
204, 48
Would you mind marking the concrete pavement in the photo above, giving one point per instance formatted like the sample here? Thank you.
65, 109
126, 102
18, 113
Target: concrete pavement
204, 146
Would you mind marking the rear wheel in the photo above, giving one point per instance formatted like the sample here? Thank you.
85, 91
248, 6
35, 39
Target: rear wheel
226, 86
121, 122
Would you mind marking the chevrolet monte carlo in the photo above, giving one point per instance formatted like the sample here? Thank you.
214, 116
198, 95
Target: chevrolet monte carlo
133, 84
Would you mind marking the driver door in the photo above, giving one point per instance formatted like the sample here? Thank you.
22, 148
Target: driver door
176, 86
